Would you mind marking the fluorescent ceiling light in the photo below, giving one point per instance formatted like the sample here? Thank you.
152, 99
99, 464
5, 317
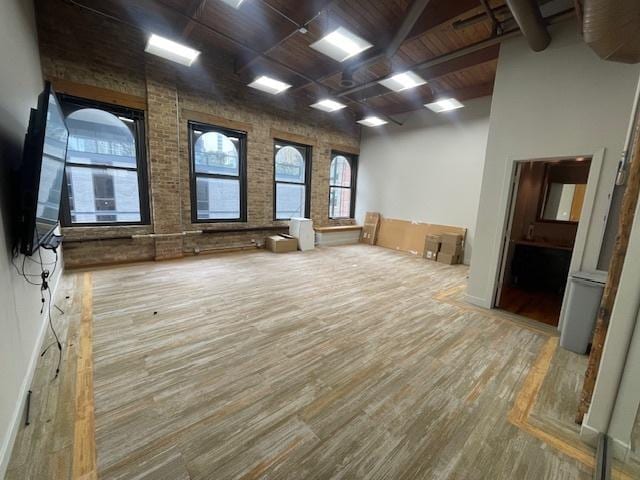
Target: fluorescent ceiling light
444, 105
328, 105
372, 121
341, 44
403, 81
269, 85
234, 3
176, 52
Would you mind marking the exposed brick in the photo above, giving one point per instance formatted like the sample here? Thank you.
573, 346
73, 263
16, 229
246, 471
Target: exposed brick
87, 49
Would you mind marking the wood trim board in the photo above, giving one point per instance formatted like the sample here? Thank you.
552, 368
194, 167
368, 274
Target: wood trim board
99, 94
214, 120
293, 137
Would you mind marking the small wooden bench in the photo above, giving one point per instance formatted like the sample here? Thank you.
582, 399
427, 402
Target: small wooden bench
337, 235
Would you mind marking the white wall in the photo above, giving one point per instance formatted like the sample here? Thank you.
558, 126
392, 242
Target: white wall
428, 169
561, 102
21, 325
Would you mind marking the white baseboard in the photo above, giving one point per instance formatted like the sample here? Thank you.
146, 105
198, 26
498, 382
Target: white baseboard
619, 449
478, 301
18, 412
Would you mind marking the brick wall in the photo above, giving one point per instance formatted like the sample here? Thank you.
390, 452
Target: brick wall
84, 49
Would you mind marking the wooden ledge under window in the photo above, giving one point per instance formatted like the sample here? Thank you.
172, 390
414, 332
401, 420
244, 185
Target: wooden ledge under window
337, 228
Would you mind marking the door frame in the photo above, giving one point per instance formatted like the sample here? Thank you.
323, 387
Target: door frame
586, 227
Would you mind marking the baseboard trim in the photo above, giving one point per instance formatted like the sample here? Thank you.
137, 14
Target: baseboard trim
10, 437
478, 301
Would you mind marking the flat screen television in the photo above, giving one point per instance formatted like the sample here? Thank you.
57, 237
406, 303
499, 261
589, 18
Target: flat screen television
42, 172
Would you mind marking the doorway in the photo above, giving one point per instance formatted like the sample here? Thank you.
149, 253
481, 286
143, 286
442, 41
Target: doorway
545, 211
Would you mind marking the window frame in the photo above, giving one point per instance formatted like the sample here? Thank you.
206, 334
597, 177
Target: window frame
352, 158
70, 104
308, 153
242, 171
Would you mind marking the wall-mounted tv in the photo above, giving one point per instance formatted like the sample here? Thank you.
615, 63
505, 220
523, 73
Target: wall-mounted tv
42, 172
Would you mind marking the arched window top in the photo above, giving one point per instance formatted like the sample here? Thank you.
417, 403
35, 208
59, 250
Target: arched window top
289, 165
216, 153
340, 172
100, 138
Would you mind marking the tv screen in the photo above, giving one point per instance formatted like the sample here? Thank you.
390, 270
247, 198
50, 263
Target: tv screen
43, 171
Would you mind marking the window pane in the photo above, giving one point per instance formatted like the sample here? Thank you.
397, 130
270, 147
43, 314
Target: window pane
289, 164
290, 200
97, 137
339, 202
217, 198
216, 153
103, 195
340, 172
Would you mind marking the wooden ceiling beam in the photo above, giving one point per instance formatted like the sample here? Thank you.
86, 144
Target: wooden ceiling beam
432, 15
283, 35
417, 102
194, 12
487, 54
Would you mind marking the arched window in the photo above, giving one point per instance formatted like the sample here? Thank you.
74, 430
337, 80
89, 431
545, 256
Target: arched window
342, 180
218, 174
292, 178
105, 165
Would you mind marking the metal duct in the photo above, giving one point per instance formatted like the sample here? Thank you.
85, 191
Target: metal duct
529, 19
612, 29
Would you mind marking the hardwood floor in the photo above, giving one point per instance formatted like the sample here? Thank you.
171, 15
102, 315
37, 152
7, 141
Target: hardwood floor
343, 362
538, 305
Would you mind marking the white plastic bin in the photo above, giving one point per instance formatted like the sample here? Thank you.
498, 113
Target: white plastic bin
581, 311
302, 229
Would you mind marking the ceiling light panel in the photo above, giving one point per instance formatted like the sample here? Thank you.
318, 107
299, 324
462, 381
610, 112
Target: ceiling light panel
176, 52
372, 121
328, 105
403, 81
444, 105
341, 44
269, 85
234, 3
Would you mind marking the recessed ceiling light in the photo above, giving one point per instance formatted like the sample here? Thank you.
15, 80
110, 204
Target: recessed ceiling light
341, 44
176, 52
372, 121
403, 81
444, 105
269, 85
328, 105
234, 3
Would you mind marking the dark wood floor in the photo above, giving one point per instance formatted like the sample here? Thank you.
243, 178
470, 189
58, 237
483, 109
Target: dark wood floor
537, 305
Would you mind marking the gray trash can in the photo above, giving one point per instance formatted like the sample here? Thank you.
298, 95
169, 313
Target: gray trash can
581, 310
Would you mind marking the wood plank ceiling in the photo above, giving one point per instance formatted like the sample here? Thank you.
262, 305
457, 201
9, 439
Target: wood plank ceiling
265, 38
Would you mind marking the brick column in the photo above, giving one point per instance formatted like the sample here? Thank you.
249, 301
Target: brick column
164, 164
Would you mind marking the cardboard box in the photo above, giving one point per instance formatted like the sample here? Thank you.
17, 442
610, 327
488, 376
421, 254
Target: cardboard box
370, 228
282, 243
451, 238
430, 254
431, 247
451, 248
448, 258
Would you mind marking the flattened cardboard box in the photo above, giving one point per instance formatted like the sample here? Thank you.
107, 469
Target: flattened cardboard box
281, 244
370, 228
451, 238
448, 258
451, 248
431, 247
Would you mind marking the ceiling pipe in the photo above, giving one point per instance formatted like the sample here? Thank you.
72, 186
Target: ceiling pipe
461, 52
612, 29
529, 18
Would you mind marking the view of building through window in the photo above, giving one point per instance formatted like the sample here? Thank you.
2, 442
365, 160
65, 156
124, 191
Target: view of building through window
340, 178
102, 177
290, 181
217, 168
